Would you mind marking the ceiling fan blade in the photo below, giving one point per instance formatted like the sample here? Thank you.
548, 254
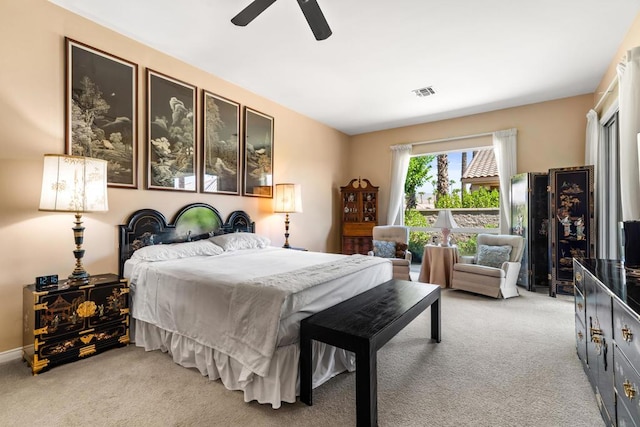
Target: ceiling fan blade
250, 12
315, 18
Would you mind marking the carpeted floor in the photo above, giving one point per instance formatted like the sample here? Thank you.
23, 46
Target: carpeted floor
500, 363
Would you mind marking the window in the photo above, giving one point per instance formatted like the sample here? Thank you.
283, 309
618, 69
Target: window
465, 181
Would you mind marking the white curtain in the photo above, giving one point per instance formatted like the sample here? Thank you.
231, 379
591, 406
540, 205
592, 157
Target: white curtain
504, 147
400, 156
594, 156
629, 118
593, 137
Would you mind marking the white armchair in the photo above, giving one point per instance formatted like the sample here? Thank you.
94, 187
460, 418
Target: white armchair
397, 250
495, 268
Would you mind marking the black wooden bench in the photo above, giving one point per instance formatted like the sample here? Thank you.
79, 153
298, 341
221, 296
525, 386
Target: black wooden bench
363, 324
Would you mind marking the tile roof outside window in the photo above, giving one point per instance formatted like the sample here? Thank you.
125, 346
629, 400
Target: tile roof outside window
483, 165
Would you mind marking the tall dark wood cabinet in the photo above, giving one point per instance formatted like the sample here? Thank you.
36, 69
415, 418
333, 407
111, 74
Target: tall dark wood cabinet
572, 231
530, 219
67, 323
359, 212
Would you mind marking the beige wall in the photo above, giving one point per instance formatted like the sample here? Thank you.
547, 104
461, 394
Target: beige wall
32, 124
550, 134
631, 40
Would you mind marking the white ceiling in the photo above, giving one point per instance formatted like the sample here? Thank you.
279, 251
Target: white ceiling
479, 55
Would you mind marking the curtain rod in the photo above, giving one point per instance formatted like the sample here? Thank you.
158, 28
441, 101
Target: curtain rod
453, 138
606, 92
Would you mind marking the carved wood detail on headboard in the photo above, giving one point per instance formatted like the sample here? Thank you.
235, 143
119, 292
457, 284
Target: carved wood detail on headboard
193, 222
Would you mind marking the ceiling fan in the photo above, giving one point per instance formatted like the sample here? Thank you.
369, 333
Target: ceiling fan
310, 8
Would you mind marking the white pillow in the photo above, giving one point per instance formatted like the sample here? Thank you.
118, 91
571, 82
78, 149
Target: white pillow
237, 241
177, 250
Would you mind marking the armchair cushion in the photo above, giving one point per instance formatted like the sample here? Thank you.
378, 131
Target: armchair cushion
493, 256
482, 270
384, 249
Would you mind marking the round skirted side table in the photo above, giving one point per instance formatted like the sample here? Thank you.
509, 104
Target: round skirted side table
437, 264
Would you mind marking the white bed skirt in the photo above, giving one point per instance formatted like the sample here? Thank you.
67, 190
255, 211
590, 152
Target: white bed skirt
280, 385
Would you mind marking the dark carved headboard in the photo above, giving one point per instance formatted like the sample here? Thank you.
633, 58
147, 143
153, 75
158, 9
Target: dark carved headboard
193, 222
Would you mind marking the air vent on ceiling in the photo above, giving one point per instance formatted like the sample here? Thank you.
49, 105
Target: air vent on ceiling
425, 91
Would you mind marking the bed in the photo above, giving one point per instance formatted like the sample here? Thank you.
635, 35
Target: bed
220, 298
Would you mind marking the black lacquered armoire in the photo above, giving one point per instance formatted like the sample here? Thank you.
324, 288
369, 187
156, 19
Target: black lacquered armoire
530, 219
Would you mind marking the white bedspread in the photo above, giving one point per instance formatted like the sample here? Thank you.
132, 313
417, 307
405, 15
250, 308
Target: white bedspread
234, 302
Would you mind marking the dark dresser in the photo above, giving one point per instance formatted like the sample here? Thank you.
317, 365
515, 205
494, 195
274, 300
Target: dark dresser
607, 304
64, 324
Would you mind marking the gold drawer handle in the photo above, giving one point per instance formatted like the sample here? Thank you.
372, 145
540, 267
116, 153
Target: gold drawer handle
580, 336
580, 306
596, 338
86, 309
627, 335
578, 277
629, 391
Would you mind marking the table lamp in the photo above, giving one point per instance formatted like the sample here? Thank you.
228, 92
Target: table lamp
74, 184
445, 222
288, 200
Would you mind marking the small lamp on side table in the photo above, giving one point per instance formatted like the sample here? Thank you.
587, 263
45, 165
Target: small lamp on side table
446, 222
288, 200
74, 184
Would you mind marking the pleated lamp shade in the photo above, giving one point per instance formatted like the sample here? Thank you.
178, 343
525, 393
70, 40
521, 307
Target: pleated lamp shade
74, 184
288, 198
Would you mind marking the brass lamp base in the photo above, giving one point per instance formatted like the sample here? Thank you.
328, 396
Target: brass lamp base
286, 231
79, 276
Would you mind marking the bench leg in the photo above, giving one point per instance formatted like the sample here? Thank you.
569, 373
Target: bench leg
306, 378
366, 387
435, 320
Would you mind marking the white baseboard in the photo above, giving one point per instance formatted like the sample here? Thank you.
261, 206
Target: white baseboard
11, 355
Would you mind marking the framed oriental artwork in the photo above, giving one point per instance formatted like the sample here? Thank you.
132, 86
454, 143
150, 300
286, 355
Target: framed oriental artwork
101, 104
258, 154
171, 132
572, 231
221, 145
